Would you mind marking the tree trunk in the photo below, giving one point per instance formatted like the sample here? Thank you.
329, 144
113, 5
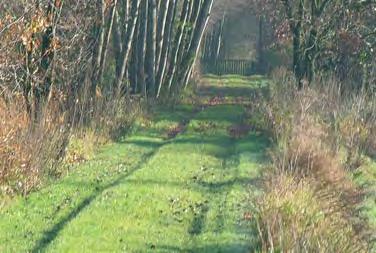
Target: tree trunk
166, 47
260, 46
107, 40
133, 63
220, 37
141, 43
47, 58
127, 44
196, 8
151, 47
117, 43
177, 44
200, 27
161, 30
99, 33
296, 27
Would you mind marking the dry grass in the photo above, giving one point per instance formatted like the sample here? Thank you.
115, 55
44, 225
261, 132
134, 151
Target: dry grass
325, 113
320, 134
108, 120
293, 216
108, 115
67, 131
28, 151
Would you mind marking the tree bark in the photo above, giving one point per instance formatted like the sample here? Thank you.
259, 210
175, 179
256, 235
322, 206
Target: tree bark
127, 44
177, 44
141, 44
47, 57
134, 65
200, 27
117, 43
99, 33
166, 46
151, 48
107, 40
260, 47
161, 30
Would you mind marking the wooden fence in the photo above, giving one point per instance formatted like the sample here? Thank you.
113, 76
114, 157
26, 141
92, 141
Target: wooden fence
227, 67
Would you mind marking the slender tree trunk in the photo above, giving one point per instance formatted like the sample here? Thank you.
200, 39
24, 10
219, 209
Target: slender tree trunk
166, 46
126, 11
117, 43
295, 27
186, 40
47, 57
161, 30
151, 47
310, 55
141, 43
200, 27
107, 40
220, 38
196, 8
177, 44
127, 44
99, 31
260, 47
134, 65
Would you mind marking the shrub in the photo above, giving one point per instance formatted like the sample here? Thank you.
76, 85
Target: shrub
66, 130
108, 114
28, 152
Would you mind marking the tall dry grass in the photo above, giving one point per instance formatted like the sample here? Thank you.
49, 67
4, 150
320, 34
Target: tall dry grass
321, 133
294, 216
68, 130
29, 151
106, 116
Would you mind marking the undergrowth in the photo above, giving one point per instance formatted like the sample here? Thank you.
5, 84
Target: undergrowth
29, 151
67, 132
322, 134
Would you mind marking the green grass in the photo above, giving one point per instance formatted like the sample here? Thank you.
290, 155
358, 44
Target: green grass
254, 81
233, 89
147, 193
365, 177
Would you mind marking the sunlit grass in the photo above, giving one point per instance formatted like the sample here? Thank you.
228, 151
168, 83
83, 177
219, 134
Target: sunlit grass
147, 192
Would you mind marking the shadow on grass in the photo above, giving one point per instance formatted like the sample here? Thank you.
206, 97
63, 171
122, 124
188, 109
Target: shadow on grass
218, 187
211, 248
261, 143
51, 234
232, 92
198, 222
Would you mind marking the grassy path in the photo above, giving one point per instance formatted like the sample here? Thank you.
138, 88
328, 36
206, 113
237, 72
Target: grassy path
148, 193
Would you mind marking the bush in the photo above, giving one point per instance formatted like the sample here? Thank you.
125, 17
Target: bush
28, 151
66, 130
346, 119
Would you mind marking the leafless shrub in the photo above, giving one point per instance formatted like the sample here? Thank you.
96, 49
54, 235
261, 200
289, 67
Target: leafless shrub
29, 152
